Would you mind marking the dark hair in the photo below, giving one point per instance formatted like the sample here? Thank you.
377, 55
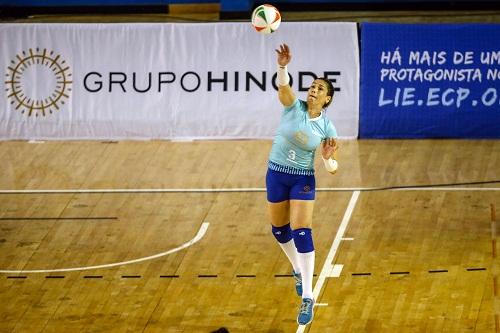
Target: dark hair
330, 90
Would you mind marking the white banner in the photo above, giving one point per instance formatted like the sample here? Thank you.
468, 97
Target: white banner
166, 81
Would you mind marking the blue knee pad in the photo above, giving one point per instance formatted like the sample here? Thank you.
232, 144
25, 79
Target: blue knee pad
283, 234
303, 240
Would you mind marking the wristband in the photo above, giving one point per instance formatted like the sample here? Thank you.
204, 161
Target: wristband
331, 165
282, 74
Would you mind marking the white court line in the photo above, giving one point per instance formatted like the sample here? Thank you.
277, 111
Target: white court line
337, 270
430, 188
328, 267
199, 235
241, 189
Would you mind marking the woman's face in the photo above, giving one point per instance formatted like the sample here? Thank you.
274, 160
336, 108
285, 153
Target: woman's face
317, 93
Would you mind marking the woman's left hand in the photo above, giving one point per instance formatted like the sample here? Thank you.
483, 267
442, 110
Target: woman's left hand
328, 147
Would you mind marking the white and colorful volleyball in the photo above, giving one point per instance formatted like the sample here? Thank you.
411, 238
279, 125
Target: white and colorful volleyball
266, 19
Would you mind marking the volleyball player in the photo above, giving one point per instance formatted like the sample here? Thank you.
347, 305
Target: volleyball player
290, 180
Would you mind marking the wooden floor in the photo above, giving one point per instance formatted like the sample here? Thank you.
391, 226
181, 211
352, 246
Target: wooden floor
414, 260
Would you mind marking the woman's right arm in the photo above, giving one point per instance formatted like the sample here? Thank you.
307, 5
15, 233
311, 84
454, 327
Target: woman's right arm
285, 92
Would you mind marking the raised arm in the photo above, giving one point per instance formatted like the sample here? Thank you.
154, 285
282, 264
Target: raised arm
285, 92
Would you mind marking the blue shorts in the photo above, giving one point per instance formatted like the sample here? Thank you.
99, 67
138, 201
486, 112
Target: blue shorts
283, 186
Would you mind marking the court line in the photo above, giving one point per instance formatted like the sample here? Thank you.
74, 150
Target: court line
197, 237
337, 269
57, 218
327, 268
246, 189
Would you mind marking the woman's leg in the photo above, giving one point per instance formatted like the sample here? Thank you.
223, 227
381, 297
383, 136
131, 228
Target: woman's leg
279, 212
301, 212
280, 223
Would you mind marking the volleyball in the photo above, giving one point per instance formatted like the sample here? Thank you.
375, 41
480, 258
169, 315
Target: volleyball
266, 19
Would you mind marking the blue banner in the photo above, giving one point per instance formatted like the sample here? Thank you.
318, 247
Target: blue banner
430, 81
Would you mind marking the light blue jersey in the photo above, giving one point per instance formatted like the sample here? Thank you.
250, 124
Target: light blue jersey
297, 138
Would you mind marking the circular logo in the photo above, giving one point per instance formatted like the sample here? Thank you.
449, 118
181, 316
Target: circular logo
38, 82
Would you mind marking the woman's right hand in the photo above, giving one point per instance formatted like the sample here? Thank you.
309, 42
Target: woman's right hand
284, 55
